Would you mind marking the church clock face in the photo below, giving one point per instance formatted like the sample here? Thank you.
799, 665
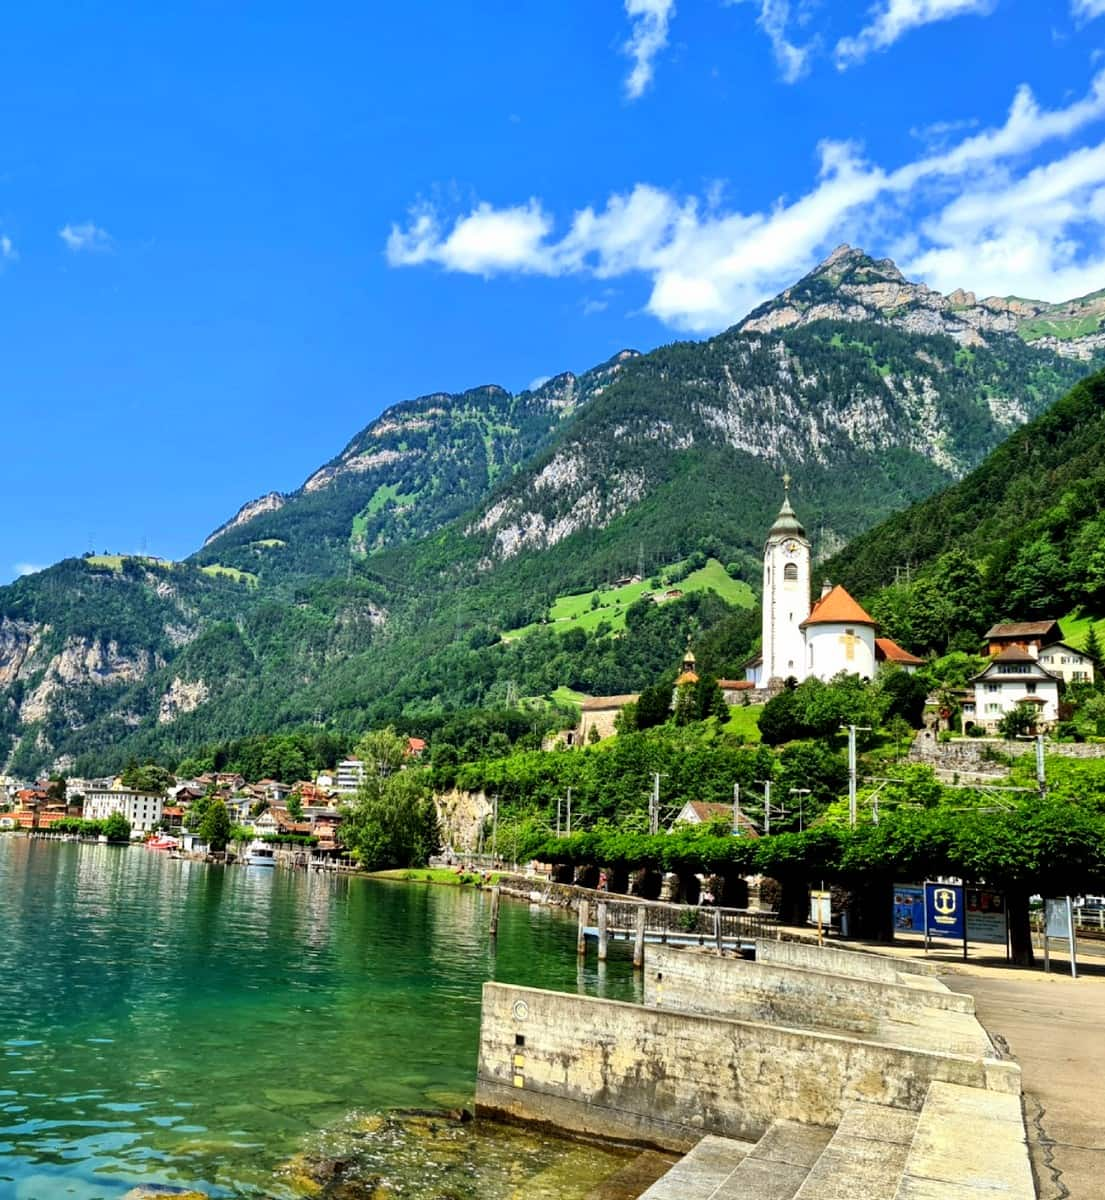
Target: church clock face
790, 549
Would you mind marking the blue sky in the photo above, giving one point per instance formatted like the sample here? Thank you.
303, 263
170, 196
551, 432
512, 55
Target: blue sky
230, 235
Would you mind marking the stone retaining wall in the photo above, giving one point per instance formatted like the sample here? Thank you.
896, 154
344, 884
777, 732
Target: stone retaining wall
608, 1069
691, 980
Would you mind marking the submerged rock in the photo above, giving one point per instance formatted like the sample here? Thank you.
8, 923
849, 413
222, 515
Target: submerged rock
158, 1191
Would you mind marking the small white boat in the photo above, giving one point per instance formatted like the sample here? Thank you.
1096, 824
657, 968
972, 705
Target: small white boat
260, 854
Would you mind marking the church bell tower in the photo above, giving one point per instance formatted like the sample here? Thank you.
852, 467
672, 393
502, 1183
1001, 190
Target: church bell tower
786, 595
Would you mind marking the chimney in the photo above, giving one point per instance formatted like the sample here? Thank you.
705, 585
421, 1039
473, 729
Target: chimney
826, 588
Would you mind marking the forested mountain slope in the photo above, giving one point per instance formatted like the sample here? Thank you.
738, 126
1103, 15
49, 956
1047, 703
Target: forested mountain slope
379, 589
1029, 523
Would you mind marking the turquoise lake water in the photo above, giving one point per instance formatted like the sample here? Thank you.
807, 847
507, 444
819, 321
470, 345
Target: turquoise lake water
166, 1021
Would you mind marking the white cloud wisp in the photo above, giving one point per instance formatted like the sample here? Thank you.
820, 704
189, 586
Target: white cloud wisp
892, 19
650, 20
85, 236
1034, 230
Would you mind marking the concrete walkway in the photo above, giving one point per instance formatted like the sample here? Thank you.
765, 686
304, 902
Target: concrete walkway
1055, 1028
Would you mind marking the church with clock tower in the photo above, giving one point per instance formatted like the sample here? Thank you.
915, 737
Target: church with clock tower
803, 640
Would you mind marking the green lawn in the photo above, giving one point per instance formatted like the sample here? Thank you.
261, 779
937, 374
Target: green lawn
579, 611
1076, 628
270, 543
1070, 327
113, 561
744, 722
215, 570
445, 875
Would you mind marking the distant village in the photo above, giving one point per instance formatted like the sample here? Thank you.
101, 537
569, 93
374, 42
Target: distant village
304, 814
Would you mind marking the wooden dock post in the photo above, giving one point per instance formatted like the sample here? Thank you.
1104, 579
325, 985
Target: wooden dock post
581, 942
495, 911
639, 939
603, 938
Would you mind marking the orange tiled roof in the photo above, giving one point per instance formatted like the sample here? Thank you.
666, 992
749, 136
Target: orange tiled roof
837, 608
892, 652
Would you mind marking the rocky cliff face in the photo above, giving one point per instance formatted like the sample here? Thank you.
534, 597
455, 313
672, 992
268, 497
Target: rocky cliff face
851, 286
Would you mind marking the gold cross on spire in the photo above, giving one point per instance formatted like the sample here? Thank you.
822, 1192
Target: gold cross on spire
786, 481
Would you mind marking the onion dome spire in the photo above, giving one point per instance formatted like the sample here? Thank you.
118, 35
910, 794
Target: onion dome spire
787, 523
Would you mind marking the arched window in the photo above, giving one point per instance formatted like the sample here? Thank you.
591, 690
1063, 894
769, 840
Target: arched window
790, 572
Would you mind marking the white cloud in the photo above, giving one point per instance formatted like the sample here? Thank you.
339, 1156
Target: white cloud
485, 242
591, 308
8, 251
85, 236
1086, 9
774, 18
955, 213
891, 19
25, 568
540, 381
650, 20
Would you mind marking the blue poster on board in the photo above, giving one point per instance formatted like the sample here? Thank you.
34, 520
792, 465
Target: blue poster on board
909, 908
944, 910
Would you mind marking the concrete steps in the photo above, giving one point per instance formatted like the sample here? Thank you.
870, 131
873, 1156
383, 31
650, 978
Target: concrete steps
865, 1158
700, 1173
969, 1145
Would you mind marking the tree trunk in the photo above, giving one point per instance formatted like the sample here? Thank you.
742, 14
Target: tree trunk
1020, 928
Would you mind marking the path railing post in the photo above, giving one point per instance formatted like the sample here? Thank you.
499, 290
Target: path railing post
717, 930
603, 939
581, 940
639, 938
495, 911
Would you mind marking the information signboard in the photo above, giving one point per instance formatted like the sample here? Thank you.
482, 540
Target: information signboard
986, 916
1059, 923
944, 910
909, 908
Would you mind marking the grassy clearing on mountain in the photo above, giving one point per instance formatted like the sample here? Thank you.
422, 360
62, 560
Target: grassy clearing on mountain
589, 610
1076, 628
216, 570
744, 723
1071, 327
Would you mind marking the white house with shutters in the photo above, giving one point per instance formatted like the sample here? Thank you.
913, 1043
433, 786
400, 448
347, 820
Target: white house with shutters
1072, 666
1012, 678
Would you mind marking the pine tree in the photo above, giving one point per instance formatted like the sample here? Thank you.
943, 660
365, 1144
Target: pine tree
1092, 648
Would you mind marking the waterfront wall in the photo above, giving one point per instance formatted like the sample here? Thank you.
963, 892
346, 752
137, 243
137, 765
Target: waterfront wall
855, 964
656, 1077
691, 980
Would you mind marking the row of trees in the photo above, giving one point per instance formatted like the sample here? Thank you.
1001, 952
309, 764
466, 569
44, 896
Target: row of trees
1050, 848
115, 828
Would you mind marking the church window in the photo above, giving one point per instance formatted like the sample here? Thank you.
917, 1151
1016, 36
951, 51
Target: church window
1031, 688
790, 572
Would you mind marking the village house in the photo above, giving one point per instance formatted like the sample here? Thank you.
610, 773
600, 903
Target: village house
1030, 636
1069, 664
698, 812
1013, 677
349, 776
736, 691
142, 809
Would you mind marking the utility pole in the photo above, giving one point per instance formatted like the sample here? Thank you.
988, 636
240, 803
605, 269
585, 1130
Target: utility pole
558, 802
569, 812
736, 808
495, 827
800, 793
1041, 776
852, 772
766, 783
654, 805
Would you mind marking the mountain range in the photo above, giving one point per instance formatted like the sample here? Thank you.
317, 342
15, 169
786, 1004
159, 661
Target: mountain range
379, 590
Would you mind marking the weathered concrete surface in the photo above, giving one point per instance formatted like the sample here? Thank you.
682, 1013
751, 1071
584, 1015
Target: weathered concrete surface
866, 1157
1054, 1027
700, 1173
969, 1145
698, 980
856, 964
635, 1177
663, 1078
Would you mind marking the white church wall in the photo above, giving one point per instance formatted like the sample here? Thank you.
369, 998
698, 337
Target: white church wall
833, 648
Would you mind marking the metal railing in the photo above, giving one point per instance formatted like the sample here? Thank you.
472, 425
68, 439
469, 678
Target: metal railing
682, 922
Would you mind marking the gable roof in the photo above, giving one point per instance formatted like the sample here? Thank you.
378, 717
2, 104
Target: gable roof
1015, 629
602, 703
1010, 657
707, 812
837, 608
735, 685
1064, 646
889, 650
